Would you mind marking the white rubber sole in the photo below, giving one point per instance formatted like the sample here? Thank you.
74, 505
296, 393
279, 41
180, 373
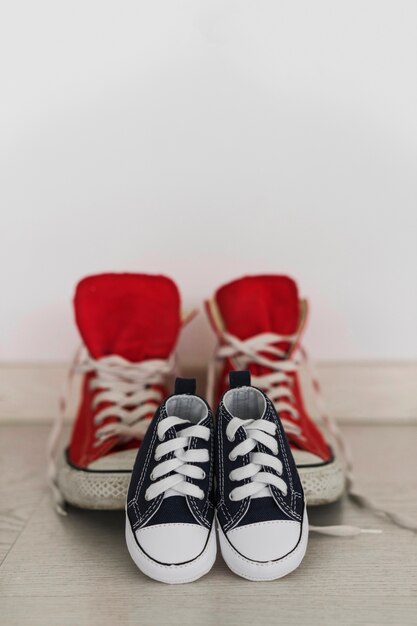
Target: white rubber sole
322, 484
106, 490
172, 574
103, 490
271, 570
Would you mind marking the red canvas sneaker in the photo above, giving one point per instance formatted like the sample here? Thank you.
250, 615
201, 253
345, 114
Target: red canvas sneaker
129, 324
259, 321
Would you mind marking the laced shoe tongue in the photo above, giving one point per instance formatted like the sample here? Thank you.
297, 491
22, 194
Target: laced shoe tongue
135, 316
260, 304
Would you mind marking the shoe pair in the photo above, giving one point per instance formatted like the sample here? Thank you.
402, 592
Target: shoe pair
130, 324
241, 470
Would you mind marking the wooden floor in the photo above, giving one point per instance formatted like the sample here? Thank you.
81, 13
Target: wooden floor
75, 570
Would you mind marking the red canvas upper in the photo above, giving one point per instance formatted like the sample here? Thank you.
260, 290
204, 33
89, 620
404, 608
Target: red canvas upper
254, 305
135, 316
259, 304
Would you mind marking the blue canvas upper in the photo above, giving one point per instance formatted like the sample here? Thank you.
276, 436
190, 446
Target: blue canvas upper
175, 508
233, 513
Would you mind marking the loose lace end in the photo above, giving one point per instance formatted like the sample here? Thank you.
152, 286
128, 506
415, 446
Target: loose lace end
60, 510
343, 531
399, 520
59, 502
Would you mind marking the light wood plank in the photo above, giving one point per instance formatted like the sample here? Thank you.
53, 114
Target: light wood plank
200, 604
22, 479
31, 392
76, 570
368, 392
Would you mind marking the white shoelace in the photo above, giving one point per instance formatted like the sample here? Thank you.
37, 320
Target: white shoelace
127, 388
171, 475
258, 432
277, 385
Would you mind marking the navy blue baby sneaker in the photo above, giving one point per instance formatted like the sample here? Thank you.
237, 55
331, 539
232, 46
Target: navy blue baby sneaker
263, 526
170, 531
262, 521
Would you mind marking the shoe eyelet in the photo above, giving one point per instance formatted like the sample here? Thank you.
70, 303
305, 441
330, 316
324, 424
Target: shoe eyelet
231, 498
230, 439
232, 458
152, 477
146, 497
203, 475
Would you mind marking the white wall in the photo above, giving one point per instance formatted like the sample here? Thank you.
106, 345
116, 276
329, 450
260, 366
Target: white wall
207, 140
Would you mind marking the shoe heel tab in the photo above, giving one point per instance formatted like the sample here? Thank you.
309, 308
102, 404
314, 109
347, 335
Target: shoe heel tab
240, 378
185, 385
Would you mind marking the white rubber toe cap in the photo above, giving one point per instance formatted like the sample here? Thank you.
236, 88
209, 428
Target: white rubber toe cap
265, 541
172, 543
